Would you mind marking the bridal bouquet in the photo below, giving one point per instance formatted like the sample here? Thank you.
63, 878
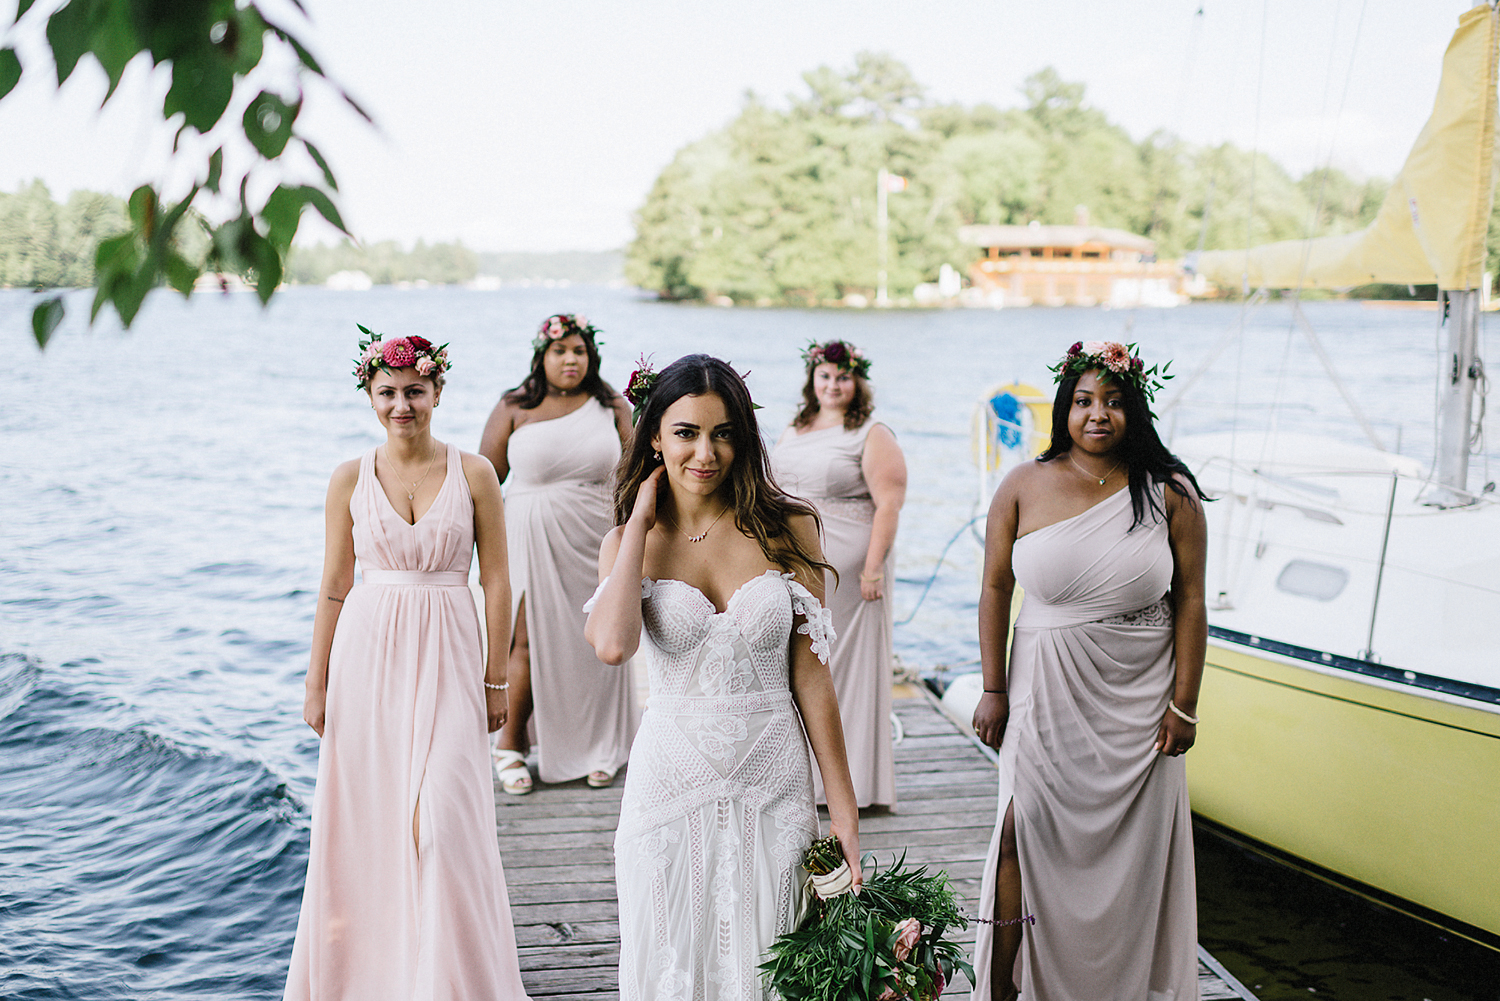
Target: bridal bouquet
885, 944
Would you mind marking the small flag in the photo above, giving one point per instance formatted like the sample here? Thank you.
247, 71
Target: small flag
895, 183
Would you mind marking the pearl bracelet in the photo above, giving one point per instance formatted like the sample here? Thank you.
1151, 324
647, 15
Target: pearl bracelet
498, 688
1182, 715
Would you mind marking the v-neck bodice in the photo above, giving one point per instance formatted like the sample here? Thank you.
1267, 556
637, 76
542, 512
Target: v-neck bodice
442, 539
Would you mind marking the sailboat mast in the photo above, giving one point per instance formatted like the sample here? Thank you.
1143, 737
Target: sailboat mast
1459, 375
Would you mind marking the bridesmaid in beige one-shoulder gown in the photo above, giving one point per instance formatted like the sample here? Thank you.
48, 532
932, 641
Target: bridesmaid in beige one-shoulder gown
856, 479
555, 440
405, 897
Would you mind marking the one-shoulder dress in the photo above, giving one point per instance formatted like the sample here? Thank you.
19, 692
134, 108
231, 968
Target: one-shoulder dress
385, 916
718, 806
557, 510
823, 467
1103, 829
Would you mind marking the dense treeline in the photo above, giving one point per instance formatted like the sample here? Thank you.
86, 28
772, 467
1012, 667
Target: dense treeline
780, 204
385, 262
44, 244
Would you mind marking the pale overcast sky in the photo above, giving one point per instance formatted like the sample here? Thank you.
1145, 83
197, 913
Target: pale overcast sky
541, 126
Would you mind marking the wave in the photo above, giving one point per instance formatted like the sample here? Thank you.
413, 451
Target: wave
134, 866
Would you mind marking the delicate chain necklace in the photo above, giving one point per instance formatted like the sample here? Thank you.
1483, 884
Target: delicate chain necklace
1090, 475
412, 493
703, 534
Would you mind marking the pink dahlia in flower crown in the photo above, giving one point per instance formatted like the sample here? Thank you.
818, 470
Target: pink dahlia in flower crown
884, 943
398, 353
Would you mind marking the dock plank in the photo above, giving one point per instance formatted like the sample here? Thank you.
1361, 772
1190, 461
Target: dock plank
558, 848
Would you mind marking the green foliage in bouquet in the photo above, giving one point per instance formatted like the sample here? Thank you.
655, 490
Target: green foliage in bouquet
884, 944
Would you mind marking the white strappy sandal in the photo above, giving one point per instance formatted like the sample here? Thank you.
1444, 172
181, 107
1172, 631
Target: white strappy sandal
511, 771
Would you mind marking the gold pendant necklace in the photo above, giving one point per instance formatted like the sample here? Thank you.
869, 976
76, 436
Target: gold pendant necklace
412, 493
1090, 475
703, 534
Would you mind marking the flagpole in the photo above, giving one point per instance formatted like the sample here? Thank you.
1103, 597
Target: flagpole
882, 182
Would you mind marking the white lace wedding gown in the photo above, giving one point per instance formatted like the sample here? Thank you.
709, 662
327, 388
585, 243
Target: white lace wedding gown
718, 806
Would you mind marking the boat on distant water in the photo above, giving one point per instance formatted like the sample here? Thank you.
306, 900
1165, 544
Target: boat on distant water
1351, 694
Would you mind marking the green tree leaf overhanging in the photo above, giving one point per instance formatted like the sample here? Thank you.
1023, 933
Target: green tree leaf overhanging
207, 47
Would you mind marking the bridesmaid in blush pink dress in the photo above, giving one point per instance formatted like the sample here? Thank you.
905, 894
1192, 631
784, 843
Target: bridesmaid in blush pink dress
405, 897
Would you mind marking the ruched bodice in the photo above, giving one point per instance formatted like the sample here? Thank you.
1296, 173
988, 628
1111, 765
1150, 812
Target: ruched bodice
581, 447
823, 464
441, 540
1097, 571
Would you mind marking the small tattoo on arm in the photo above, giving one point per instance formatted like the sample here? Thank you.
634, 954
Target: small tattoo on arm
339, 600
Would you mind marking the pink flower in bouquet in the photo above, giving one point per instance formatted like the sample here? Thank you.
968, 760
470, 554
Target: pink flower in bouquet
398, 353
939, 982
908, 933
889, 994
1094, 347
425, 366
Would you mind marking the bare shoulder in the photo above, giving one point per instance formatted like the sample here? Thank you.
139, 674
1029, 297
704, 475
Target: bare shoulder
345, 476
477, 469
1025, 478
882, 433
804, 528
1184, 497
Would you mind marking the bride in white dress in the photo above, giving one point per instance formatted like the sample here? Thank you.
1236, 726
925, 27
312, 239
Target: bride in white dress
726, 575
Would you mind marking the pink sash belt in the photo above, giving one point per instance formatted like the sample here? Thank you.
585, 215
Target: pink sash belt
424, 578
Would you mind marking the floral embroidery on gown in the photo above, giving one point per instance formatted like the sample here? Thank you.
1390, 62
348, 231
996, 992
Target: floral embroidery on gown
718, 804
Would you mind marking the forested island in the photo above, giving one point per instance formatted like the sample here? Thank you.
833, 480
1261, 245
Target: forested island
779, 205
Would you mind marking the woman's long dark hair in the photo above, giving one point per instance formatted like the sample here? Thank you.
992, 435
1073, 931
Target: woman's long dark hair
1146, 458
533, 390
859, 410
761, 509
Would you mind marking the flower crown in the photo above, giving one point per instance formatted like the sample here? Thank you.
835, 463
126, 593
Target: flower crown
642, 381
638, 387
560, 325
841, 353
377, 352
1119, 360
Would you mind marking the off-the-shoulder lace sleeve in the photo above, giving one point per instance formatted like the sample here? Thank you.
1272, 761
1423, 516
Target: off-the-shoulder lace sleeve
646, 586
818, 624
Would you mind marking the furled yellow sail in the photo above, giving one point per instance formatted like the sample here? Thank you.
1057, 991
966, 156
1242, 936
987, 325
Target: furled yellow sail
1431, 226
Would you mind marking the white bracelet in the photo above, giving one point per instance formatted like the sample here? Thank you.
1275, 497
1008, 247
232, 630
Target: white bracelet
499, 688
1173, 706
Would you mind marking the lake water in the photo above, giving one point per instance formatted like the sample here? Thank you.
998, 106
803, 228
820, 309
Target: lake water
162, 541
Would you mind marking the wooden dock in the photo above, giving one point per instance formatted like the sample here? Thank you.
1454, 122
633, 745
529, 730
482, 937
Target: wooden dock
557, 845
